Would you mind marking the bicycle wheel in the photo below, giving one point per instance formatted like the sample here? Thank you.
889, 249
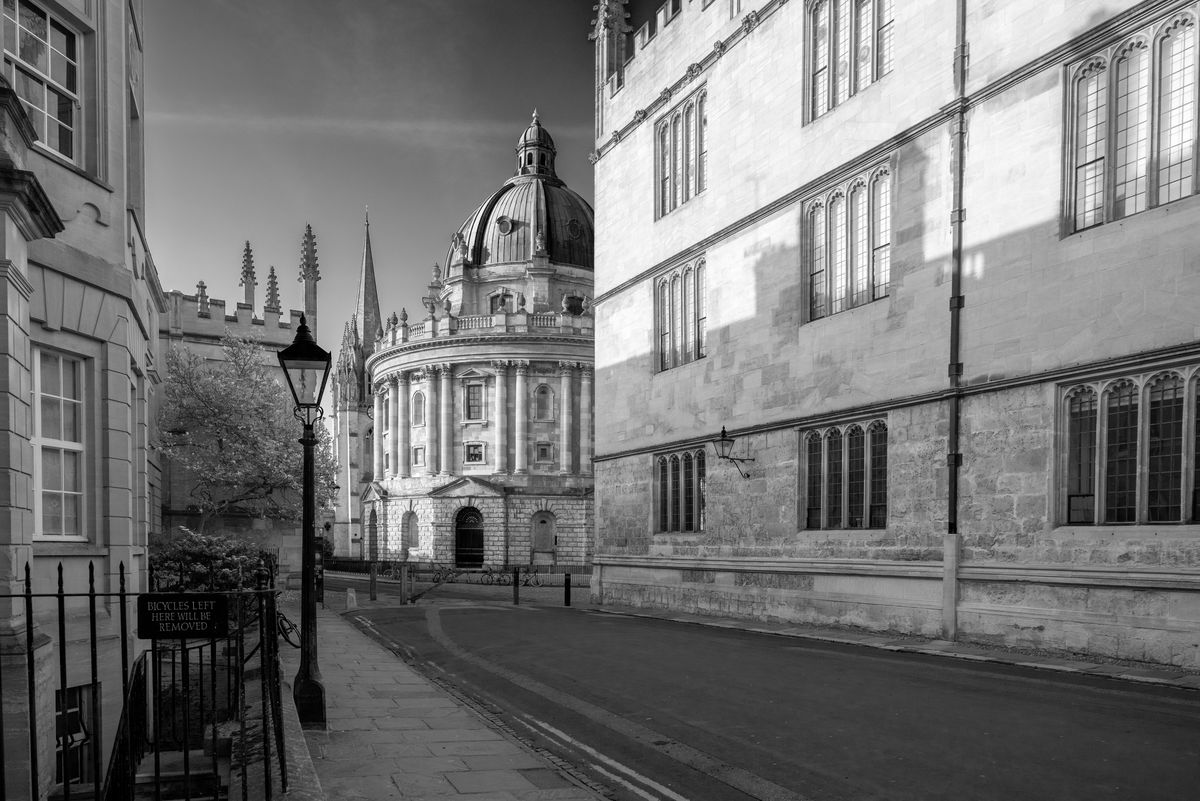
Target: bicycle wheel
535, 580
287, 629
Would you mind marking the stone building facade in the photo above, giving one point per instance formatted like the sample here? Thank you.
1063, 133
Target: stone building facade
932, 265
475, 448
80, 302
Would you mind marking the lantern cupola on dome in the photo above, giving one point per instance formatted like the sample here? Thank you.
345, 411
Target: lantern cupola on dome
535, 150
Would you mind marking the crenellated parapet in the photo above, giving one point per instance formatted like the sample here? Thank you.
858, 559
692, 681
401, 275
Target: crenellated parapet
200, 317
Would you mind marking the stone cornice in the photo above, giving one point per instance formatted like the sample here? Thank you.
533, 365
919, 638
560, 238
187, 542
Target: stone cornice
10, 273
460, 341
21, 195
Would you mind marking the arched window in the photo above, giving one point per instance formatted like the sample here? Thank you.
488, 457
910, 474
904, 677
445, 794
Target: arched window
543, 403
851, 48
839, 252
676, 321
664, 325
681, 316
681, 152
877, 513
1081, 456
664, 493
700, 479
688, 324
679, 491
881, 233
834, 478
689, 494
812, 508
418, 409
410, 537
1133, 134
816, 262
860, 250
1164, 442
1121, 420
848, 233
675, 493
856, 476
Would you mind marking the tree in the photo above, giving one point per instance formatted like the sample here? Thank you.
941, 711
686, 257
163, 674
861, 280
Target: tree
187, 561
229, 425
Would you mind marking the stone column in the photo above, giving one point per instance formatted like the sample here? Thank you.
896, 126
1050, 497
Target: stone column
377, 439
501, 414
446, 432
393, 413
566, 418
431, 426
585, 419
522, 419
402, 467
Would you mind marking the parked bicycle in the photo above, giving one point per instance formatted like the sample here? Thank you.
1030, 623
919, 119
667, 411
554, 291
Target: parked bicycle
530, 577
492, 575
287, 629
444, 574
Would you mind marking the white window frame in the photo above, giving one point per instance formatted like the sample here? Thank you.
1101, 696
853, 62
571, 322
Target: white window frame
39, 114
466, 402
41, 443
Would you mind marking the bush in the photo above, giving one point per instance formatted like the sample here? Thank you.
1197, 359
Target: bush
206, 563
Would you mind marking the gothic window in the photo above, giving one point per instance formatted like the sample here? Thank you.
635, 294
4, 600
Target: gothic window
845, 480
1130, 437
681, 315
543, 403
58, 446
1133, 123
850, 48
418, 409
41, 62
849, 238
682, 152
679, 491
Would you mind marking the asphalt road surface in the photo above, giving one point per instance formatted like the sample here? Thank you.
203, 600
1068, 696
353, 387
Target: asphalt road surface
660, 710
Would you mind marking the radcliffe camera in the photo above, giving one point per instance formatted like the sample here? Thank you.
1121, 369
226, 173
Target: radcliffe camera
639, 400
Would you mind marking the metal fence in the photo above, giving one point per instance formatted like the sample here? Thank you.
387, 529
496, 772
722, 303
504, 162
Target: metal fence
195, 714
549, 575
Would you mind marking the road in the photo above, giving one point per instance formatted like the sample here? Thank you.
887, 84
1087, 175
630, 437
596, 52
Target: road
660, 710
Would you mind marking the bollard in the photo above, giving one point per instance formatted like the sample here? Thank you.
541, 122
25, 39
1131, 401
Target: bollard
516, 585
351, 599
566, 589
373, 573
404, 579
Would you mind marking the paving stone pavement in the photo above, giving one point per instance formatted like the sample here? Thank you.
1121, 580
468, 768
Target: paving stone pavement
395, 734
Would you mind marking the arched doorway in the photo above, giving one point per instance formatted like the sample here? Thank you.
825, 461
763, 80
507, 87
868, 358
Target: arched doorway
411, 539
373, 536
468, 538
543, 535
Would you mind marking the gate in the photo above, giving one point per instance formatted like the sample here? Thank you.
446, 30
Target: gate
197, 715
468, 538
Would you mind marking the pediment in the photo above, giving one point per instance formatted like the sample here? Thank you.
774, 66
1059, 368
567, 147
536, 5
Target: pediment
472, 372
373, 493
467, 487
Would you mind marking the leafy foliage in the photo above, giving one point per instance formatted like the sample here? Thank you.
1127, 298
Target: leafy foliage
229, 425
189, 561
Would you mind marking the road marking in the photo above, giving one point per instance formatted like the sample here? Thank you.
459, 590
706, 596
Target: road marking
742, 780
612, 777
666, 791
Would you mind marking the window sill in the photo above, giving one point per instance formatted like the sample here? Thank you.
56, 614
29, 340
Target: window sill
64, 547
66, 164
1126, 530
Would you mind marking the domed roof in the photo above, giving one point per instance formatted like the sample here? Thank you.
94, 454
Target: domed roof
505, 228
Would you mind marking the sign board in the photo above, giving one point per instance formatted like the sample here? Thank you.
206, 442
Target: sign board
176, 615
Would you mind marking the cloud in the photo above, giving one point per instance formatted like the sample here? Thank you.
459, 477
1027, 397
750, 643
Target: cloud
432, 132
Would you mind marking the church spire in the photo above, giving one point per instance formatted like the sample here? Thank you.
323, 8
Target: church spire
368, 322
248, 279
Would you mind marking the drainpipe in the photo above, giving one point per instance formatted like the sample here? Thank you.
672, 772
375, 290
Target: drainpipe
958, 142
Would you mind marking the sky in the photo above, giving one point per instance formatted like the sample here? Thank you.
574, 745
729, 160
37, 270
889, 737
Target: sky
264, 116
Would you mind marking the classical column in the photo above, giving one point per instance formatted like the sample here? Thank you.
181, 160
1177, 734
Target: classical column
500, 447
401, 459
446, 432
566, 419
377, 438
393, 413
585, 419
431, 426
522, 419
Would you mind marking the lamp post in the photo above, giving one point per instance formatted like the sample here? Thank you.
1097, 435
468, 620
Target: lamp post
306, 366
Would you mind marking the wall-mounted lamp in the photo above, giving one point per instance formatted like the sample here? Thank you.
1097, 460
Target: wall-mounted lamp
724, 446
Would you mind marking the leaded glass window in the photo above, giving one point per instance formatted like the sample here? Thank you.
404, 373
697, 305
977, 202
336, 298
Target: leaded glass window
848, 233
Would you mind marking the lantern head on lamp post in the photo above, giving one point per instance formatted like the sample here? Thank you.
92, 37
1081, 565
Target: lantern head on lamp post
724, 446
306, 366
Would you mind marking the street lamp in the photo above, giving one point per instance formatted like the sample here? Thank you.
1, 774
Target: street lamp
724, 446
306, 366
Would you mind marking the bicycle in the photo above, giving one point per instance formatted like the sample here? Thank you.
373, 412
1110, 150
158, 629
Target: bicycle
493, 576
531, 578
287, 629
445, 574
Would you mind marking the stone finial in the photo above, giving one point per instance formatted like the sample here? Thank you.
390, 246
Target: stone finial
437, 273
393, 321
309, 270
249, 281
564, 303
521, 302
404, 315
272, 291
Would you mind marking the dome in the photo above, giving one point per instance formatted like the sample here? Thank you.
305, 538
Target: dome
505, 228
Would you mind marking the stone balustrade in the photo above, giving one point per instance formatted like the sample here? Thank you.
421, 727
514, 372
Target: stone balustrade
500, 323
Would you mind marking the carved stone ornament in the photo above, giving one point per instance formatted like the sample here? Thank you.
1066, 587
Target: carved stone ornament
751, 20
719, 47
403, 315
693, 71
593, 157
521, 301
665, 95
616, 137
639, 115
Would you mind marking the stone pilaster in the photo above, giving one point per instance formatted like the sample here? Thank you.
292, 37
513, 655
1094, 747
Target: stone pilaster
446, 421
566, 426
393, 413
521, 434
377, 440
585, 420
500, 446
431, 424
403, 456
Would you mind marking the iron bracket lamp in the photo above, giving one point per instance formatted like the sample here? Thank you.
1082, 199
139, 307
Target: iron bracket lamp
306, 366
724, 446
